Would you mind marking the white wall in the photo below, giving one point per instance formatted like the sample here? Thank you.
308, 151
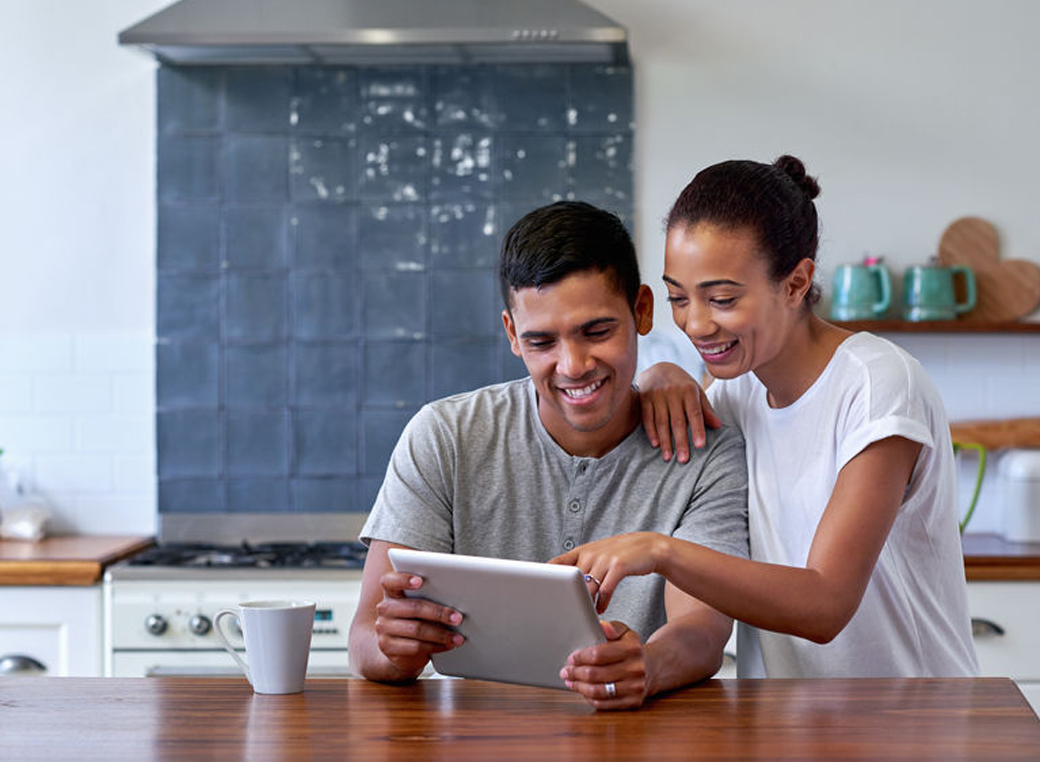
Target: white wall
77, 261
911, 113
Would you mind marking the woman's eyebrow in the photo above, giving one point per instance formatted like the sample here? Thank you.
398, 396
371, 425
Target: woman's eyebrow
702, 284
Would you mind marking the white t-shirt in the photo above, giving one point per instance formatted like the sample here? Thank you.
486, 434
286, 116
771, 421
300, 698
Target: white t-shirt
913, 620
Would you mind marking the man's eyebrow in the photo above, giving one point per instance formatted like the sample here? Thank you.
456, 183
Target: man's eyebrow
589, 324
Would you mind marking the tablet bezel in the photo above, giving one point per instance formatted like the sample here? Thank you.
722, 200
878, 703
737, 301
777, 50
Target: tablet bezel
521, 619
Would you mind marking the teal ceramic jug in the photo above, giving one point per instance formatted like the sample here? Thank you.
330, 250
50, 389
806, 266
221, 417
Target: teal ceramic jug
929, 294
861, 292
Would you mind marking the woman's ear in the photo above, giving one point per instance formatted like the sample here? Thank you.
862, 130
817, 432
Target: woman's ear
799, 281
644, 310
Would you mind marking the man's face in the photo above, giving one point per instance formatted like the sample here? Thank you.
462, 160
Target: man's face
577, 338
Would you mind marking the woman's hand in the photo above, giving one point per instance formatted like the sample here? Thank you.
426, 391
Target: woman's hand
611, 560
673, 404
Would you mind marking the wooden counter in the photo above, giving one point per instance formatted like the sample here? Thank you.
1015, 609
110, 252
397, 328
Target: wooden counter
198, 718
991, 557
73, 560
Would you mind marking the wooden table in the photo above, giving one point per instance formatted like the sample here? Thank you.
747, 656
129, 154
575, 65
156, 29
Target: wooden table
221, 719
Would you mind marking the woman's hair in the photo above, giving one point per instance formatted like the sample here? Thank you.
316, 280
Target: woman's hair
775, 201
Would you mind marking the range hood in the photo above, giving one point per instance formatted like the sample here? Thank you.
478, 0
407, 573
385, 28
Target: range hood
206, 32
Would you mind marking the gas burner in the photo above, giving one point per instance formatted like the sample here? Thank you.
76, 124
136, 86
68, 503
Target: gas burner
319, 555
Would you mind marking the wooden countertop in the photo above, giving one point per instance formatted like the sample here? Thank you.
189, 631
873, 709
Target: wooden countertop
73, 560
199, 718
991, 557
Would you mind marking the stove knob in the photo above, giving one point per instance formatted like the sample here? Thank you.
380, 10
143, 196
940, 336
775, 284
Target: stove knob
155, 624
200, 624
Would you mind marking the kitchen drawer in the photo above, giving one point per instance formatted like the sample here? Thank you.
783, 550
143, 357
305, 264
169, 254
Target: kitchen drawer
1006, 620
57, 627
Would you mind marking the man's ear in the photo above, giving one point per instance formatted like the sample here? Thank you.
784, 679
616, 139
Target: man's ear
507, 321
800, 280
644, 310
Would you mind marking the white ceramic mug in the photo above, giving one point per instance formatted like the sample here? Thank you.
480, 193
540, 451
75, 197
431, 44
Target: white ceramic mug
278, 642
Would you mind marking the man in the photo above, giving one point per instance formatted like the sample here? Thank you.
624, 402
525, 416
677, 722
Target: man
532, 468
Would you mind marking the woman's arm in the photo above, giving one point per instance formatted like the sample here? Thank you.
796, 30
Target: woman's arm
671, 401
814, 602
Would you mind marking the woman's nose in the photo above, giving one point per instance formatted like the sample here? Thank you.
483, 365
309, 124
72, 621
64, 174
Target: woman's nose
698, 322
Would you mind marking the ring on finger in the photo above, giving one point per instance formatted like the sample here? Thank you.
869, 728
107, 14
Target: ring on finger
611, 690
591, 578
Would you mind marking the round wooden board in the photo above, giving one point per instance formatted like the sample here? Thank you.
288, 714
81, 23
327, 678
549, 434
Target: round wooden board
1007, 290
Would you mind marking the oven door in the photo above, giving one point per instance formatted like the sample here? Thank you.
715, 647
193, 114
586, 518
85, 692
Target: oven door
331, 663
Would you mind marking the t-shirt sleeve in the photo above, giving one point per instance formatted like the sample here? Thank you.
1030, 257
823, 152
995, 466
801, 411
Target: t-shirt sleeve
890, 402
414, 504
717, 514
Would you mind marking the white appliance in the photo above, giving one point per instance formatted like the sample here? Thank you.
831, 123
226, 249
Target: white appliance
159, 606
1020, 484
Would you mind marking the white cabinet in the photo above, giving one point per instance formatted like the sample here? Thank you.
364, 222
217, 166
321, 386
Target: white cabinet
58, 627
1006, 622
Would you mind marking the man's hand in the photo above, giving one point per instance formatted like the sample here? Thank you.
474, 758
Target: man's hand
410, 630
611, 675
672, 403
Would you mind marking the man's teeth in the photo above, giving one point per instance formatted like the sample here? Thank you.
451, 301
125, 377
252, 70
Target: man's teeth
717, 350
584, 391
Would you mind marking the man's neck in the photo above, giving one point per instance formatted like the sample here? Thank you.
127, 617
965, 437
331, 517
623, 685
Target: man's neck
597, 443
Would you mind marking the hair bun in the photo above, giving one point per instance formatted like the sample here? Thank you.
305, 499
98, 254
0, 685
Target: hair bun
792, 166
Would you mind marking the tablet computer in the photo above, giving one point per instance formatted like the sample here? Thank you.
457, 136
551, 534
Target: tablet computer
521, 619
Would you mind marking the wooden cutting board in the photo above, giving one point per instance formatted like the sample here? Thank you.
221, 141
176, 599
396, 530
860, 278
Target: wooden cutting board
1007, 289
993, 435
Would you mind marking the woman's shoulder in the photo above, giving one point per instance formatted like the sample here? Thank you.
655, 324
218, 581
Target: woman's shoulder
878, 357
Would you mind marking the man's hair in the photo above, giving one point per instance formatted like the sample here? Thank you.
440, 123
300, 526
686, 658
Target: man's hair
551, 242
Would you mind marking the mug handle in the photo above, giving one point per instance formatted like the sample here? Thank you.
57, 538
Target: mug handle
219, 631
882, 305
978, 479
969, 284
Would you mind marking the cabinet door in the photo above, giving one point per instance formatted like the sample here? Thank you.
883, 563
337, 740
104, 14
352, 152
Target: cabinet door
57, 627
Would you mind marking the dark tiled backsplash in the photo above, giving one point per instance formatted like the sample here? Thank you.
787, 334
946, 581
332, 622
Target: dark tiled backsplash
327, 249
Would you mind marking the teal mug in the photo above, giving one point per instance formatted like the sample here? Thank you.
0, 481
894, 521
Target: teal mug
929, 294
861, 292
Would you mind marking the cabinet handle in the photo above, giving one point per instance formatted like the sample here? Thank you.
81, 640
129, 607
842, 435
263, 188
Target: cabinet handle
981, 628
15, 664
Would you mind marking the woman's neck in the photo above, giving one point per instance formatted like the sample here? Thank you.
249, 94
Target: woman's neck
810, 345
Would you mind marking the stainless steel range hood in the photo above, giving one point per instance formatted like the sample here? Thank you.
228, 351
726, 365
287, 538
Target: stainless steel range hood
206, 32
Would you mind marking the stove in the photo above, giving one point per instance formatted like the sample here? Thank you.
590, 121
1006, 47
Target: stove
159, 605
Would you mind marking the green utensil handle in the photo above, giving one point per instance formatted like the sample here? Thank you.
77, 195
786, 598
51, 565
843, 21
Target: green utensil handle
978, 479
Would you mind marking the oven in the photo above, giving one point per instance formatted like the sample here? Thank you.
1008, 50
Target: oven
159, 606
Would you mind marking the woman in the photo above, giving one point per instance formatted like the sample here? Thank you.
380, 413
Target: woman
856, 563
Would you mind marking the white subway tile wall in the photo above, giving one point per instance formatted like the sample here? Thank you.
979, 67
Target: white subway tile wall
77, 424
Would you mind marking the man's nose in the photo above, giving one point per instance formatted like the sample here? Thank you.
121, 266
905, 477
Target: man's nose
574, 361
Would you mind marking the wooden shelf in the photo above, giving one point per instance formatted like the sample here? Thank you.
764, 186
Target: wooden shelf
938, 326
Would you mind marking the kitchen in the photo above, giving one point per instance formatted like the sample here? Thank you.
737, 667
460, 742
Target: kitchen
919, 114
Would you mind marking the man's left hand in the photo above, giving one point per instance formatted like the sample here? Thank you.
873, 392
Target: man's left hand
611, 675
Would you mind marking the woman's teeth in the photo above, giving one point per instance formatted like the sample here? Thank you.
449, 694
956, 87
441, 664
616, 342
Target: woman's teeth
718, 349
584, 391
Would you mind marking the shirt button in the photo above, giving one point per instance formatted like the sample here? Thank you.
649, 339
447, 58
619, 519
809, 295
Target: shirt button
568, 544
582, 467
575, 506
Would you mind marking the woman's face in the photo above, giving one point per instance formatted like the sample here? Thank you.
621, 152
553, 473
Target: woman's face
723, 298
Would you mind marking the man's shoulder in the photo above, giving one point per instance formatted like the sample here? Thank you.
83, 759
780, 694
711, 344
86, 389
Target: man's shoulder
485, 399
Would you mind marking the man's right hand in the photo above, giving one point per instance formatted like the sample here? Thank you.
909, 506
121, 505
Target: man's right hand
410, 630
391, 636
